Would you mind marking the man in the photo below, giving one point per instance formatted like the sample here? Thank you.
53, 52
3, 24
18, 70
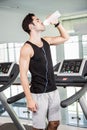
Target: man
42, 96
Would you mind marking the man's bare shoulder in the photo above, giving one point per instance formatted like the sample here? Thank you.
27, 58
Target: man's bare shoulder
26, 49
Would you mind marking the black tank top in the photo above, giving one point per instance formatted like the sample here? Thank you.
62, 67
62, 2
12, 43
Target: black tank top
41, 68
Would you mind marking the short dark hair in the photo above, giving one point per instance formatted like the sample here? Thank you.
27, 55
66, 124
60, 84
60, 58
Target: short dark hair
27, 20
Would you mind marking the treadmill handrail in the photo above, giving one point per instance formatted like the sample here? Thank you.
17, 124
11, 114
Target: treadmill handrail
15, 98
74, 97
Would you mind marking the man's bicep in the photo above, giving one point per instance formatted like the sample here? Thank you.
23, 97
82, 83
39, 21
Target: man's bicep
24, 62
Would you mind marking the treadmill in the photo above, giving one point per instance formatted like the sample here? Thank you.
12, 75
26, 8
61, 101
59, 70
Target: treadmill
8, 74
73, 72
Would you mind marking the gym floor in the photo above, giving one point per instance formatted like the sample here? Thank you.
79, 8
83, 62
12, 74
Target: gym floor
61, 127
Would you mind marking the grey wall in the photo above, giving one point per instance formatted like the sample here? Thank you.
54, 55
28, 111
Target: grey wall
10, 26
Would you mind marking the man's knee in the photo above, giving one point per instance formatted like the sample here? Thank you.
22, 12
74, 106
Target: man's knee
36, 129
54, 124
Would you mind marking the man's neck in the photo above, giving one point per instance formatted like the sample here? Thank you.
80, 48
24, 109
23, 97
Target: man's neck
35, 38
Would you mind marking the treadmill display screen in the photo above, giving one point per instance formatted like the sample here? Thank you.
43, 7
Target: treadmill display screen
5, 68
71, 66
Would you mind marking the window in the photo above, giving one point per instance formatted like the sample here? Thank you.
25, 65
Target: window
71, 48
3, 52
84, 43
9, 52
53, 53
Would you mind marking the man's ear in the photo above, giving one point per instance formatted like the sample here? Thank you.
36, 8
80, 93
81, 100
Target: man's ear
30, 26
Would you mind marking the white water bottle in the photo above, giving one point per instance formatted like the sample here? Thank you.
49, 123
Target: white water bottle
53, 16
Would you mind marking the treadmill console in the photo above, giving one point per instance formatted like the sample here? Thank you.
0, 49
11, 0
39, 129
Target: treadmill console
5, 68
71, 71
71, 67
8, 73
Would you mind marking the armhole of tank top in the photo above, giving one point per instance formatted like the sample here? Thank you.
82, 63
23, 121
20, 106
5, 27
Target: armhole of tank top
27, 42
44, 41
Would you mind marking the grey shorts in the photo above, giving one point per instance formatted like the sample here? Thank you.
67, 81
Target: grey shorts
48, 108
